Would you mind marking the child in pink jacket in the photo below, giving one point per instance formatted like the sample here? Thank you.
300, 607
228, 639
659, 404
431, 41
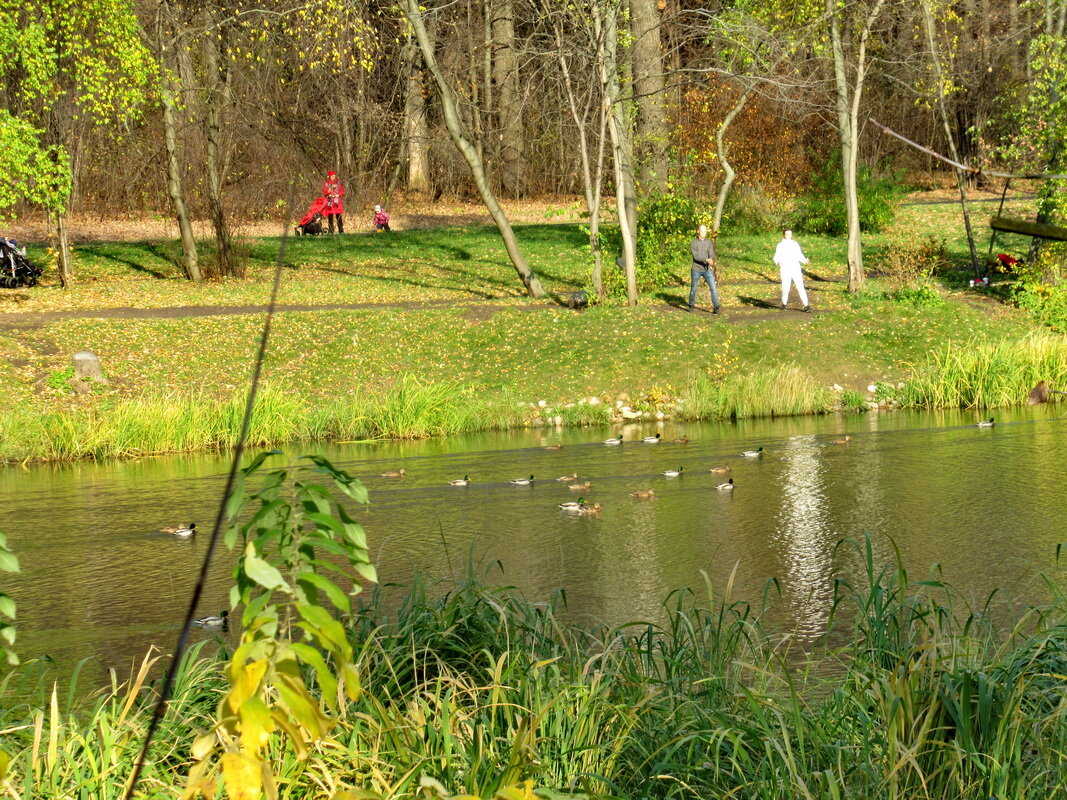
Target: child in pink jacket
381, 220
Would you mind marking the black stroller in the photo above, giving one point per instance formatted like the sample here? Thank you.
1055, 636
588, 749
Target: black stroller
15, 268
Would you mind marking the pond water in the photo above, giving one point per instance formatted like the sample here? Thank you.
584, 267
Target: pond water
987, 505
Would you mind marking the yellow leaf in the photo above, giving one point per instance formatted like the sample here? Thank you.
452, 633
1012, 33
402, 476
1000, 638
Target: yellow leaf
256, 724
243, 777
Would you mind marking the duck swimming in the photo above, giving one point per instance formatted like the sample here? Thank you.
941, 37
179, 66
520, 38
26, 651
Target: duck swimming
580, 487
985, 423
722, 470
643, 494
651, 439
567, 478
726, 487
181, 531
213, 622
523, 481
394, 473
464, 481
752, 453
673, 473
613, 440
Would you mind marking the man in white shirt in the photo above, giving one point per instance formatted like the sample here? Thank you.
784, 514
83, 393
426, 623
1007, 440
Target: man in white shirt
789, 258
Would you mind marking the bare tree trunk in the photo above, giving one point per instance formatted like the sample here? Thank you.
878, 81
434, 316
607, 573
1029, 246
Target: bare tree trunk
961, 178
848, 96
592, 179
470, 155
190, 264
509, 116
168, 90
416, 131
606, 31
720, 150
217, 85
652, 139
63, 250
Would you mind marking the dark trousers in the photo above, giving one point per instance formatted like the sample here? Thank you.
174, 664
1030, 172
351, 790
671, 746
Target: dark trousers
340, 222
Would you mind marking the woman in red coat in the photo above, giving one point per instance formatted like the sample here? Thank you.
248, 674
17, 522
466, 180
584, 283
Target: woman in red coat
334, 191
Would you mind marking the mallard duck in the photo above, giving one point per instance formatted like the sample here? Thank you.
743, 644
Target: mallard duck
580, 487
464, 481
553, 447
394, 473
651, 439
752, 453
181, 531
722, 470
726, 487
523, 481
567, 478
613, 440
213, 622
589, 508
572, 505
643, 494
673, 473
682, 440
843, 440
985, 423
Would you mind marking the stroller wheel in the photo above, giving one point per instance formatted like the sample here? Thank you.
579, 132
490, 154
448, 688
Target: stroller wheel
8, 282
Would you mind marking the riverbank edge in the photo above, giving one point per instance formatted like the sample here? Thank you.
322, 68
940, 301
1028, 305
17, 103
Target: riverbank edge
414, 409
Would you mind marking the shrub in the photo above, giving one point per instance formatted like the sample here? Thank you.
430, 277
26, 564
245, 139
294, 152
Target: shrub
751, 210
1038, 288
822, 208
665, 225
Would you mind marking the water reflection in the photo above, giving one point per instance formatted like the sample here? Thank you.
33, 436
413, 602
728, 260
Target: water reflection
986, 505
805, 535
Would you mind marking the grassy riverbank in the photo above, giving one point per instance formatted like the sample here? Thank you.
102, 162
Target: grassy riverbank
437, 338
477, 689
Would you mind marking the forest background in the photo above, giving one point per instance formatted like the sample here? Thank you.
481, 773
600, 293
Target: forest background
229, 112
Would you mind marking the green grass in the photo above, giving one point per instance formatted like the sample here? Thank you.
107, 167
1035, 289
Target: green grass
473, 688
444, 307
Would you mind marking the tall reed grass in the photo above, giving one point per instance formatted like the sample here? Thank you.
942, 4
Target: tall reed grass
469, 689
763, 390
181, 423
986, 374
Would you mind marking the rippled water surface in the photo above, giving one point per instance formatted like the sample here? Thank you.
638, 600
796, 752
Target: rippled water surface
988, 506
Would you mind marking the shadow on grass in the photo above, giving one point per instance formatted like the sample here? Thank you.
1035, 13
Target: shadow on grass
159, 251
757, 302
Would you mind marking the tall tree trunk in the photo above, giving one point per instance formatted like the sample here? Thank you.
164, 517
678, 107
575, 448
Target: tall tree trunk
217, 86
416, 131
469, 153
961, 177
190, 263
606, 31
509, 110
169, 90
646, 56
592, 177
848, 94
720, 150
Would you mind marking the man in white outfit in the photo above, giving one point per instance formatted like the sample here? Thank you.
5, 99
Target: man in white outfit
789, 258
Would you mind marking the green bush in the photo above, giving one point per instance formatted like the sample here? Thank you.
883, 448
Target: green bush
665, 226
1039, 289
821, 209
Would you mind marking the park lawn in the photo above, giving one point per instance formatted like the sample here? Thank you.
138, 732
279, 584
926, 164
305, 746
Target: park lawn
446, 307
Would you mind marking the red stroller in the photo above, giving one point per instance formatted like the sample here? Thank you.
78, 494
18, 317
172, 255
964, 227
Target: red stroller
311, 223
